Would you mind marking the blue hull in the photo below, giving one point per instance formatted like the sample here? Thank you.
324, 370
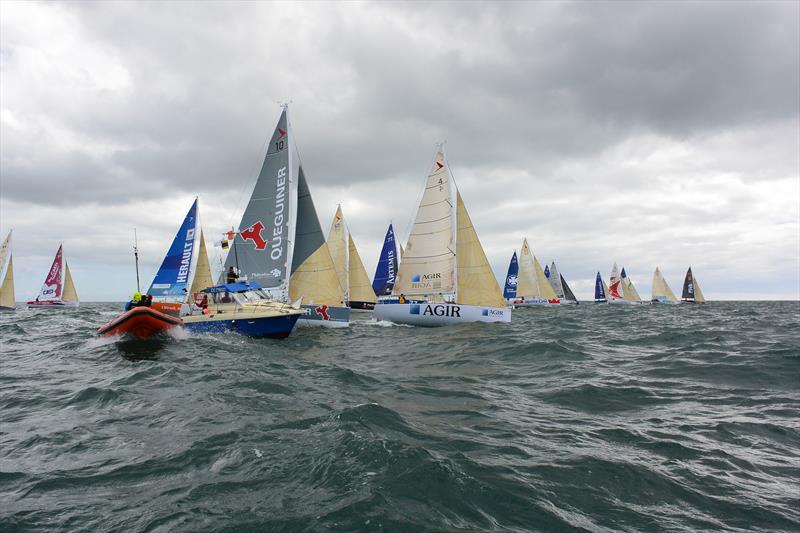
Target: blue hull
276, 327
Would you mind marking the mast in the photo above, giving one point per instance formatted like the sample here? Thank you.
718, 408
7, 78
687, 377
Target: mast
136, 259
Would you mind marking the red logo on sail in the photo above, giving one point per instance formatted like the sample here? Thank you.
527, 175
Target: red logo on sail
614, 289
282, 133
323, 310
439, 166
253, 233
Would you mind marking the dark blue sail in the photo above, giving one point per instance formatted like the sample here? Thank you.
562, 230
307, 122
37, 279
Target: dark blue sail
622, 274
510, 290
173, 276
599, 293
547, 272
386, 271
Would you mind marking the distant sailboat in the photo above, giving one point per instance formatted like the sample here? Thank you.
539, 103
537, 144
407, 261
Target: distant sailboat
281, 245
616, 289
386, 271
691, 290
58, 290
349, 268
444, 272
559, 284
662, 294
600, 290
512, 277
533, 287
629, 292
7, 298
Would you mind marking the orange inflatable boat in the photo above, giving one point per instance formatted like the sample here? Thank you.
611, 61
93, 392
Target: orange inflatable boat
140, 322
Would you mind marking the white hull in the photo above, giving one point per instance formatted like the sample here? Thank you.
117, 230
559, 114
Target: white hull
533, 302
52, 304
569, 302
623, 302
439, 314
664, 302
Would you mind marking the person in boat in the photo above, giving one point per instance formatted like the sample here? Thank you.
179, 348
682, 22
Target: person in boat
147, 300
134, 301
231, 276
401, 299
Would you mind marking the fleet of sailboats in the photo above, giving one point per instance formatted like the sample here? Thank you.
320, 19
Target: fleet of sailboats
285, 271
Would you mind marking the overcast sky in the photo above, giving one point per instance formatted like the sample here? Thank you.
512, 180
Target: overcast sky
651, 134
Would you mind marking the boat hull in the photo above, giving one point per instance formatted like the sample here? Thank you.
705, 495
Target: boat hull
663, 301
325, 316
439, 314
276, 327
623, 302
362, 306
52, 304
141, 323
534, 302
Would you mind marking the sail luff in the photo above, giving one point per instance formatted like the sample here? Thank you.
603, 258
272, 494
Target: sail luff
358, 281
69, 294
476, 282
202, 274
7, 298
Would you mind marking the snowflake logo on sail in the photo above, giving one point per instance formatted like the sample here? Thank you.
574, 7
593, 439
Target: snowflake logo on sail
512, 280
275, 273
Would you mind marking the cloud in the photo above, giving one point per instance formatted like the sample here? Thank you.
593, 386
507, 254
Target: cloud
646, 133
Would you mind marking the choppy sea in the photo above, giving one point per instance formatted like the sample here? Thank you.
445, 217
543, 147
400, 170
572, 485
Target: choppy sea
596, 418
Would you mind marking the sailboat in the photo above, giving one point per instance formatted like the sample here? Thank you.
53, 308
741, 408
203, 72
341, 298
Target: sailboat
281, 246
559, 284
7, 299
58, 290
629, 292
600, 290
444, 276
533, 288
616, 288
386, 271
512, 279
350, 270
691, 290
662, 294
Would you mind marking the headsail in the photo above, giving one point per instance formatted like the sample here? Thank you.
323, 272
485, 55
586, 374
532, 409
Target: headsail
476, 282
568, 294
527, 285
428, 265
262, 246
387, 265
54, 282
69, 294
202, 271
510, 290
313, 276
173, 275
555, 280
7, 298
360, 289
698, 294
545, 289
629, 292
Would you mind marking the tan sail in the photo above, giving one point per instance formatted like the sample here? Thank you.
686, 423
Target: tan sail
358, 280
658, 285
315, 280
401, 250
527, 284
202, 272
606, 292
545, 289
7, 298
337, 244
428, 263
69, 294
476, 282
698, 294
5, 251
628, 291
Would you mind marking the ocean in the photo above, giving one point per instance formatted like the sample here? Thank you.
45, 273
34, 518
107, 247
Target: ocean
594, 418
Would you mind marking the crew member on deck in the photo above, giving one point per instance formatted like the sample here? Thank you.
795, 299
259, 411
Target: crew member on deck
402, 299
231, 276
134, 302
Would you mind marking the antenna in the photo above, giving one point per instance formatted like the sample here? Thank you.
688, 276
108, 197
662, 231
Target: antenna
136, 257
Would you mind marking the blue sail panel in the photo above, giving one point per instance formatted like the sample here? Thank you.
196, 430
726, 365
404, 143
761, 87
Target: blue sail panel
386, 270
622, 274
510, 289
173, 275
599, 293
547, 272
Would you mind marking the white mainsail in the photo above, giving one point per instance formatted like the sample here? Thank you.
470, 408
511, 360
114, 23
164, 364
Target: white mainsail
527, 283
428, 264
337, 244
555, 281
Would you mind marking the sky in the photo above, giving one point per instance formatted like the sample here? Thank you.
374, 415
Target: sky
651, 134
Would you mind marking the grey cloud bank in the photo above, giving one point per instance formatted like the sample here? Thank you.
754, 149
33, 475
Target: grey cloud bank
651, 134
